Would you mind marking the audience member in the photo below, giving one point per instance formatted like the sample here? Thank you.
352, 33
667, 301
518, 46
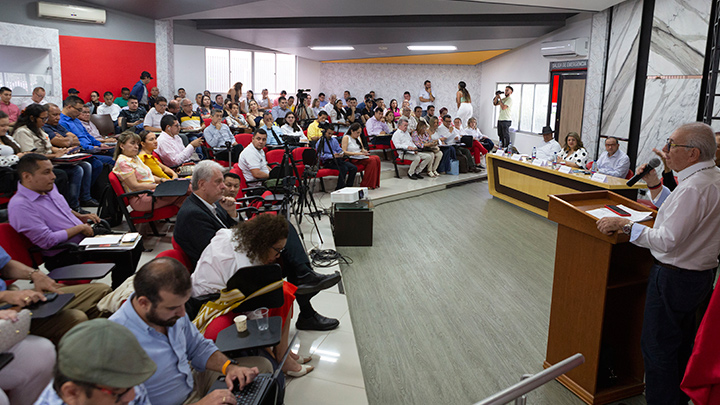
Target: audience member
173, 107
291, 103
133, 116
94, 102
59, 135
331, 156
123, 99
254, 116
235, 92
613, 162
82, 306
232, 185
426, 97
72, 91
274, 134
10, 152
181, 92
354, 149
395, 109
550, 148
38, 212
72, 107
430, 112
108, 107
170, 147
316, 107
207, 210
337, 116
189, 120
574, 154
190, 363
217, 135
153, 97
139, 90
12, 111
378, 131
476, 149
84, 118
280, 110
322, 101
198, 101
291, 127
331, 103
264, 102
478, 136
37, 97
252, 160
380, 103
276, 102
206, 107
155, 115
314, 131
99, 362
137, 176
219, 102
425, 143
351, 112
448, 152
389, 119
408, 151
148, 144
410, 101
235, 120
345, 98
244, 104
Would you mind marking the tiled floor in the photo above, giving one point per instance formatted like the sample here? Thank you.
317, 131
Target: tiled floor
338, 376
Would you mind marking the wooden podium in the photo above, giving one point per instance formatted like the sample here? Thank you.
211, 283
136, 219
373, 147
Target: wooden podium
597, 300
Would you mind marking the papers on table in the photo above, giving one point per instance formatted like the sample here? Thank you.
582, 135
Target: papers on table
111, 242
101, 240
635, 216
360, 157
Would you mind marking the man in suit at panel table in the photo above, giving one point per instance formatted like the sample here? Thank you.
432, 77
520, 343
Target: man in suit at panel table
206, 211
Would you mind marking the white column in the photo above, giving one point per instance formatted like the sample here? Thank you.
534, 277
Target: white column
165, 58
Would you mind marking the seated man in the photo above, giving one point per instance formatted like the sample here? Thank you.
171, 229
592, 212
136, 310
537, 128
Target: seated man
40, 213
108, 107
274, 133
252, 160
99, 362
153, 117
449, 135
367, 108
173, 107
613, 161
418, 115
412, 120
12, 111
331, 156
123, 99
314, 131
133, 116
171, 149
84, 117
59, 135
232, 184
206, 211
550, 148
218, 134
188, 364
81, 308
280, 110
72, 107
189, 120
153, 98
378, 131
403, 140
38, 97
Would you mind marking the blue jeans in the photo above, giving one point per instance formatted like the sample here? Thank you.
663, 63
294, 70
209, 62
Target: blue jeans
75, 178
448, 155
668, 332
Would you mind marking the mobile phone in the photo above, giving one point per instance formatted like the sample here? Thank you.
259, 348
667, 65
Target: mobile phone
618, 210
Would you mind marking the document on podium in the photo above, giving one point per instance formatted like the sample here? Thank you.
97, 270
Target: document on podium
635, 216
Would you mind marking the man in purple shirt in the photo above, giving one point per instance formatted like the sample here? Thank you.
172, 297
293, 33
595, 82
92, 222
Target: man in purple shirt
39, 212
378, 131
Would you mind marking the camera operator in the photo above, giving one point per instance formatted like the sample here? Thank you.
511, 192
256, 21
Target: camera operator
332, 156
504, 118
274, 133
218, 135
252, 160
303, 112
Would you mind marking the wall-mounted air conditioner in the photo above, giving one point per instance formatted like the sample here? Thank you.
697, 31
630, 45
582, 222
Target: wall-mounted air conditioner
71, 13
565, 48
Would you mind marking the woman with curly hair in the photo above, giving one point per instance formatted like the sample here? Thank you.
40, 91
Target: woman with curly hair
258, 241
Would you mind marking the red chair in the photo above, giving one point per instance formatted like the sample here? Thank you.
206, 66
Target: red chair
398, 159
207, 121
589, 164
629, 174
244, 139
139, 217
274, 156
251, 204
211, 154
178, 255
384, 148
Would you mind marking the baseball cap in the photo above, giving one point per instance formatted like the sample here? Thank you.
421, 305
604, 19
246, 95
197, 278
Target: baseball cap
145, 74
73, 90
103, 352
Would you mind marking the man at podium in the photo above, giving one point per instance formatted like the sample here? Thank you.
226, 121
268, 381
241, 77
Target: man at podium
685, 244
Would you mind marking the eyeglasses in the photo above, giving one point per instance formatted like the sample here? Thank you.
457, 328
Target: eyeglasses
77, 108
113, 394
670, 144
278, 251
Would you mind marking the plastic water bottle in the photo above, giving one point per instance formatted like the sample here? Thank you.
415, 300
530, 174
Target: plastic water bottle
509, 149
555, 159
534, 153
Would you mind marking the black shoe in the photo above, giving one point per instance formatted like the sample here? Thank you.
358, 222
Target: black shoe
90, 203
480, 166
412, 176
316, 322
81, 211
315, 282
419, 176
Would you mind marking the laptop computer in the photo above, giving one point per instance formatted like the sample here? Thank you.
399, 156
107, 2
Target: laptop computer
256, 392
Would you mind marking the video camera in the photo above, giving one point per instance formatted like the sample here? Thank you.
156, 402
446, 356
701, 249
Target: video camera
499, 92
291, 140
302, 94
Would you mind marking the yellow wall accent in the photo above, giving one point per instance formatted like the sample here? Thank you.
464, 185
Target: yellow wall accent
455, 58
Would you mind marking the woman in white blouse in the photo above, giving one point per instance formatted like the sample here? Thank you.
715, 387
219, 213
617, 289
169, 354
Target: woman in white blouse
291, 127
574, 154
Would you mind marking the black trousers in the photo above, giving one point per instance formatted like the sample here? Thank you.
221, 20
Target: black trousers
126, 261
503, 129
235, 153
345, 168
296, 268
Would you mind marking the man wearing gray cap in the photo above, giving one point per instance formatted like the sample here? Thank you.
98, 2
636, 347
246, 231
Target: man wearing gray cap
99, 362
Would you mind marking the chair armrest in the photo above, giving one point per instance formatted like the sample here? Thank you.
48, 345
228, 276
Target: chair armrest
135, 193
254, 190
69, 246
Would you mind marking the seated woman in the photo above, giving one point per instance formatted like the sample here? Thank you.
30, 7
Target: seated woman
353, 148
574, 154
474, 131
148, 143
395, 109
448, 152
250, 243
136, 175
478, 151
254, 116
425, 143
205, 108
235, 120
291, 127
244, 104
389, 119
316, 106
337, 116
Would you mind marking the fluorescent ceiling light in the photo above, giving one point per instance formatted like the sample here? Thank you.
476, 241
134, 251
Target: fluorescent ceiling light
332, 48
432, 47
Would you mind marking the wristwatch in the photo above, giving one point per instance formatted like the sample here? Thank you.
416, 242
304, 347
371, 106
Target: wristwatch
627, 228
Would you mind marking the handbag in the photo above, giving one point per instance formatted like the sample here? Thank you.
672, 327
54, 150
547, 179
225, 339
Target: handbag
11, 333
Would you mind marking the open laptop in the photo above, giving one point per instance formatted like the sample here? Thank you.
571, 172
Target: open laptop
256, 392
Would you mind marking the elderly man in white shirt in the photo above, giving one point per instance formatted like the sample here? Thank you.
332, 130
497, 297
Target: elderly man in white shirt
403, 140
170, 148
38, 97
685, 243
155, 115
613, 161
550, 148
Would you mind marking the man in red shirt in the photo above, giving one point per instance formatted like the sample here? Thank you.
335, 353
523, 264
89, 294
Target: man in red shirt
7, 107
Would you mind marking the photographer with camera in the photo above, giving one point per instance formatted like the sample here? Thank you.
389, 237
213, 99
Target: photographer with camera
274, 133
504, 118
303, 112
219, 135
332, 156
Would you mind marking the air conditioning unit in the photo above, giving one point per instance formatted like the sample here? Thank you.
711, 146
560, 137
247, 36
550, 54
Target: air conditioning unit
71, 13
565, 48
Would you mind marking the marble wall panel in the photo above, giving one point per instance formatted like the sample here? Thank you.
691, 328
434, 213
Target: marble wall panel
165, 57
595, 80
621, 67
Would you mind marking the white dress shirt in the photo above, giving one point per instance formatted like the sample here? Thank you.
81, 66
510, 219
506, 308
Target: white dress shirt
172, 151
112, 109
288, 130
616, 165
548, 150
217, 264
685, 233
451, 135
30, 101
153, 118
424, 104
403, 140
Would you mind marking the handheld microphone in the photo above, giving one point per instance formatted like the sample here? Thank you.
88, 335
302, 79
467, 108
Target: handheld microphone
653, 163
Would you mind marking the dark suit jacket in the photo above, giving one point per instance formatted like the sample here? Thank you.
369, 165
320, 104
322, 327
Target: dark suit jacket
196, 225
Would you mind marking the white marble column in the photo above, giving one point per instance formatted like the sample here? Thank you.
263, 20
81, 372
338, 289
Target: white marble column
165, 58
595, 80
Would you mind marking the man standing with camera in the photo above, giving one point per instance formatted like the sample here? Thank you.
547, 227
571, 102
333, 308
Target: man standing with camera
504, 120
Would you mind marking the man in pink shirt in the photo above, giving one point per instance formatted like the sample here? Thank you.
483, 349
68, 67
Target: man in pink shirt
7, 107
170, 148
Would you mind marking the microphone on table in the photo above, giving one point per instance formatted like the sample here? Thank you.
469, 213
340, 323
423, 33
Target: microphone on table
653, 163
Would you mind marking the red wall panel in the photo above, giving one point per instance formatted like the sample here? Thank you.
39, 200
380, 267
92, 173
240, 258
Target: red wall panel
104, 64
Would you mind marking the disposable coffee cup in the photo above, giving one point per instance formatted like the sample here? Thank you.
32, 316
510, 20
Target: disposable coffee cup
241, 323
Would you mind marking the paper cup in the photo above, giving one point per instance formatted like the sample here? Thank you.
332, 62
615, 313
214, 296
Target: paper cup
241, 323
